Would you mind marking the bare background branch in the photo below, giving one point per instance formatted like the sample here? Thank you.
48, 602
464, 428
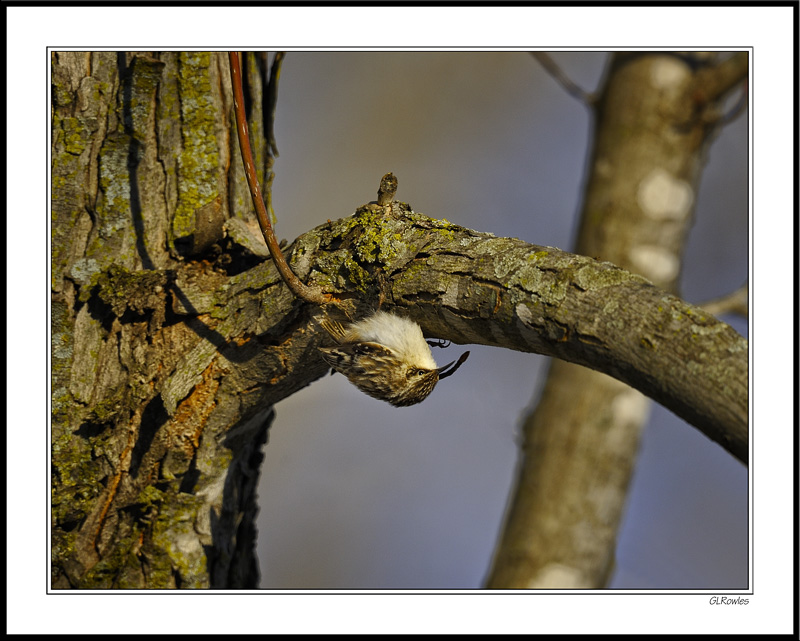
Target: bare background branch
580, 450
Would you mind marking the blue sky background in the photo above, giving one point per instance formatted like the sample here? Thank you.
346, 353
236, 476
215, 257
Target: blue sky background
357, 494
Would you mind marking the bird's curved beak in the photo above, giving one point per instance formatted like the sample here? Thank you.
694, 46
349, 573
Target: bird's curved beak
446, 370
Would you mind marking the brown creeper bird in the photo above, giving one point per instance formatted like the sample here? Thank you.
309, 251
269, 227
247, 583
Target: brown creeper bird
387, 357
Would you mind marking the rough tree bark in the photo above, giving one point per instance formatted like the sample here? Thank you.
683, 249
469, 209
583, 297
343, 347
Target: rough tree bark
655, 117
173, 335
146, 491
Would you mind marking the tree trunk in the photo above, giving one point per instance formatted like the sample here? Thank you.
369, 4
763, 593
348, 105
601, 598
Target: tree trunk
655, 117
155, 458
173, 335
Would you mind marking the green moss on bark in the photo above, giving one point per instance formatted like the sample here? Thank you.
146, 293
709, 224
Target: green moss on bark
198, 161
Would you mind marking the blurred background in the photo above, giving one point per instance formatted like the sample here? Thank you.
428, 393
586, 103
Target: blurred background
357, 494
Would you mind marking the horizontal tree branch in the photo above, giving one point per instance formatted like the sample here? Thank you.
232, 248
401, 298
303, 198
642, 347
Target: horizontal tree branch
512, 294
206, 353
472, 287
